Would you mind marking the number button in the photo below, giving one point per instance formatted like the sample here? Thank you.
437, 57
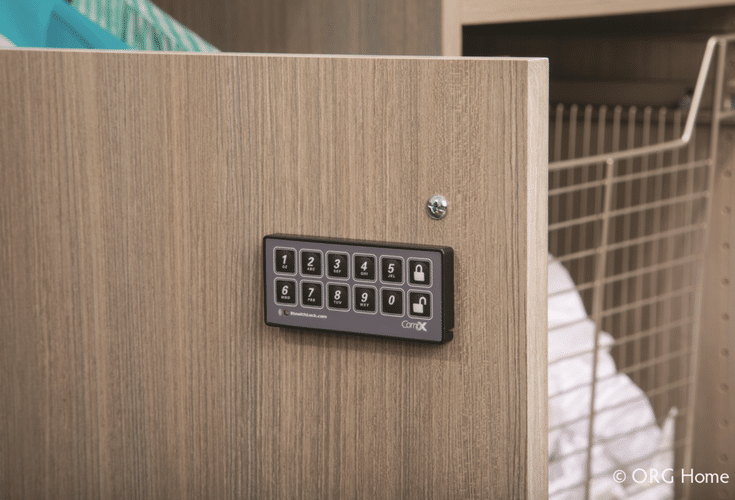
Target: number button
311, 262
364, 300
391, 270
311, 294
338, 297
391, 302
285, 261
419, 272
338, 265
365, 267
419, 304
286, 292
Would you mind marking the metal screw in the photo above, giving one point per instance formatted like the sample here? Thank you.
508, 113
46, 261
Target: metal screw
437, 207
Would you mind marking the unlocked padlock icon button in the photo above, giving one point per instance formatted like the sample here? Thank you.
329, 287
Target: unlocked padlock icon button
418, 273
418, 307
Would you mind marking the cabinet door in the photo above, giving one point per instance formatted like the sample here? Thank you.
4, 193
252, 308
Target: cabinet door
135, 190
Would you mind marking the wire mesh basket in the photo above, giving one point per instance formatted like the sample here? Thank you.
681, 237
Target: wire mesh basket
629, 204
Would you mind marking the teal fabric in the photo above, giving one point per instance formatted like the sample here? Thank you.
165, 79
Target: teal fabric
53, 24
142, 25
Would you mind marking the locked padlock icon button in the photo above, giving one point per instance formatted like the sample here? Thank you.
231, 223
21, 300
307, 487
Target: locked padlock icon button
419, 272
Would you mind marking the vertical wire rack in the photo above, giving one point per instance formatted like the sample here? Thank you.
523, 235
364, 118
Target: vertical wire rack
629, 207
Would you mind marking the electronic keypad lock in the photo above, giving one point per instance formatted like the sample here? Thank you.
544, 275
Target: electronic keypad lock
391, 290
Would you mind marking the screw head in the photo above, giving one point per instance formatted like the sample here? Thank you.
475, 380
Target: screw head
437, 207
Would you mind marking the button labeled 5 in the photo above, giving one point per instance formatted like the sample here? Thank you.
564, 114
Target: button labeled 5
391, 269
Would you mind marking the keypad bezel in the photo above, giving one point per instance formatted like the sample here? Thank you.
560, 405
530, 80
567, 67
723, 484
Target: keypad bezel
434, 328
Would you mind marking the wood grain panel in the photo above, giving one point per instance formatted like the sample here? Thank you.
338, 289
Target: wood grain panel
400, 27
135, 190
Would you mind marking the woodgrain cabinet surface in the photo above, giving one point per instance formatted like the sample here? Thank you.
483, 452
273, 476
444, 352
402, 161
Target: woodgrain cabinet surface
135, 190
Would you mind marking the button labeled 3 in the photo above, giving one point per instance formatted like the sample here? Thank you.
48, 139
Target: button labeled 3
338, 265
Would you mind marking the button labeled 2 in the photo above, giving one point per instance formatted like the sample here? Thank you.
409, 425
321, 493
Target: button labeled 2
311, 262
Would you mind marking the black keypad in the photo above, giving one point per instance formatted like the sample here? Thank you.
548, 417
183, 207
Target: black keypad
419, 272
286, 291
311, 263
391, 301
311, 294
285, 261
391, 270
364, 300
364, 267
419, 304
338, 297
393, 290
338, 265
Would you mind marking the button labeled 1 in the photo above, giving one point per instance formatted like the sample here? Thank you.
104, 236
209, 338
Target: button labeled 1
419, 272
286, 260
